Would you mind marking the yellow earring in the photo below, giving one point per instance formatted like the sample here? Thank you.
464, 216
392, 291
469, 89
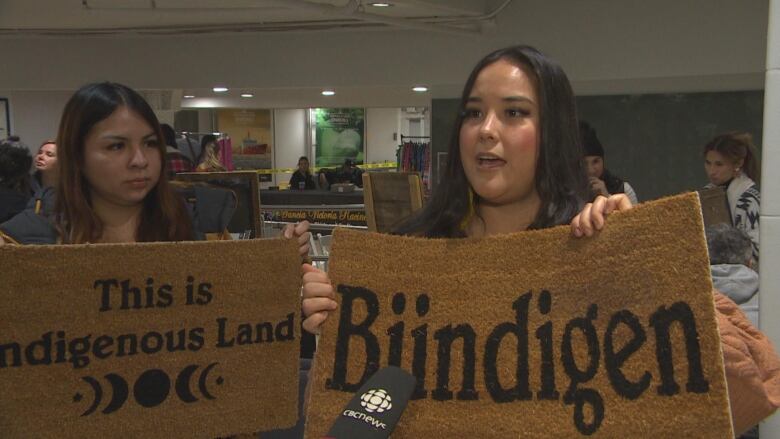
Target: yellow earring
470, 213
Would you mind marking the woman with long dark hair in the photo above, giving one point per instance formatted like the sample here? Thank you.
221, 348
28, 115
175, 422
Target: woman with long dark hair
112, 181
514, 164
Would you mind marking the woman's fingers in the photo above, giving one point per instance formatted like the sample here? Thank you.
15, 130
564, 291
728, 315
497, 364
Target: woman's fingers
618, 202
314, 322
314, 305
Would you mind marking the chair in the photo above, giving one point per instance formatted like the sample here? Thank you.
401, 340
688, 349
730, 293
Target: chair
246, 222
389, 198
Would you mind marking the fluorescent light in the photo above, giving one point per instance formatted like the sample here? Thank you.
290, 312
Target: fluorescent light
380, 4
420, 89
220, 89
247, 95
188, 96
328, 92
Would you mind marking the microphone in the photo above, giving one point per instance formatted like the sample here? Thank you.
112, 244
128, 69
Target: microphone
377, 406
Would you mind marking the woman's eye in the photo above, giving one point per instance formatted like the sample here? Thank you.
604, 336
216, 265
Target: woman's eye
472, 113
152, 143
516, 112
116, 146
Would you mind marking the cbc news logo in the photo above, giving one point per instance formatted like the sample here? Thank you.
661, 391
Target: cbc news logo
376, 400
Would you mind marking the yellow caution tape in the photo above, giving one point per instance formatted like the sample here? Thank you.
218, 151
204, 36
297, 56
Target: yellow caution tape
381, 165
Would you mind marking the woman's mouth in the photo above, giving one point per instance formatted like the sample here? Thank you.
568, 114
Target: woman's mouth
138, 183
490, 161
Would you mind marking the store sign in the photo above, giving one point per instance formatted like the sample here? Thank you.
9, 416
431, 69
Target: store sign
535, 334
321, 216
164, 340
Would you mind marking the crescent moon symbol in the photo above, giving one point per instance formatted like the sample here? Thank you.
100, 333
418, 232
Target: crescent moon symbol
98, 394
183, 384
118, 398
202, 381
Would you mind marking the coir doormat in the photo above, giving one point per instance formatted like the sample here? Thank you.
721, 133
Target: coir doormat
165, 340
535, 334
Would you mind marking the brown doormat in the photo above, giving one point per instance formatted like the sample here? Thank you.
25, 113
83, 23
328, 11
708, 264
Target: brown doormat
534, 334
164, 340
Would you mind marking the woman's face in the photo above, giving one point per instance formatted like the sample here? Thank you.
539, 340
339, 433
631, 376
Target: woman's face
499, 138
303, 165
594, 165
46, 159
719, 168
122, 160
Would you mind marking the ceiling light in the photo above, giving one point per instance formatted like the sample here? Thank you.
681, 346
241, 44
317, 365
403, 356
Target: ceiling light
328, 92
220, 89
247, 95
420, 89
380, 4
188, 96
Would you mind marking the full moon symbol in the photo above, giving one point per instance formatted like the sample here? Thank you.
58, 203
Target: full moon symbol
151, 388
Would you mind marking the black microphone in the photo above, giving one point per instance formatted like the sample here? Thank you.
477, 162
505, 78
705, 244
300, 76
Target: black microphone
377, 406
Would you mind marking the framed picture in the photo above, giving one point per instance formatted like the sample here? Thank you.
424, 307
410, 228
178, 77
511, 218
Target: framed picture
5, 119
339, 134
246, 221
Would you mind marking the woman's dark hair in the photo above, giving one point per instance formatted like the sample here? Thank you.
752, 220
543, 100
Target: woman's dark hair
15, 164
204, 142
736, 146
169, 135
164, 217
559, 175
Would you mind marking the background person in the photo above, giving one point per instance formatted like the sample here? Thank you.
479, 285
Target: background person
175, 160
602, 182
209, 155
46, 169
731, 162
15, 187
731, 264
302, 179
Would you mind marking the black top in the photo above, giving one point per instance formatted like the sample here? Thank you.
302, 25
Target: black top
298, 177
11, 203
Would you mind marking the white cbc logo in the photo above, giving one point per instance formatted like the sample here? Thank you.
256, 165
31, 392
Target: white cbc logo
376, 400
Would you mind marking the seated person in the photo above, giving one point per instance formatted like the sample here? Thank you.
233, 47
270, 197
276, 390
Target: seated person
302, 178
347, 173
15, 163
731, 262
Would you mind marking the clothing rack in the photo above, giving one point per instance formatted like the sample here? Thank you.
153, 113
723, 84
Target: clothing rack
415, 156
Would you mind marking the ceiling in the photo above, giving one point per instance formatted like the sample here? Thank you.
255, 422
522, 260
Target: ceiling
175, 17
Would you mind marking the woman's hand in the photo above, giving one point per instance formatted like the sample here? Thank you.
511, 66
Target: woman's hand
318, 298
300, 231
594, 214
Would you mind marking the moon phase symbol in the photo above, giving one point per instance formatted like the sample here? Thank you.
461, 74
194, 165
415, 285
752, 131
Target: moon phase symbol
119, 386
98, 394
183, 389
151, 388
118, 395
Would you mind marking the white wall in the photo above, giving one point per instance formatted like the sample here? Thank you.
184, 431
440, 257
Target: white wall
770, 203
383, 130
35, 115
289, 140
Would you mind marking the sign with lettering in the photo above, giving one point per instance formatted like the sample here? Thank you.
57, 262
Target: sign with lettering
157, 340
534, 334
321, 216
